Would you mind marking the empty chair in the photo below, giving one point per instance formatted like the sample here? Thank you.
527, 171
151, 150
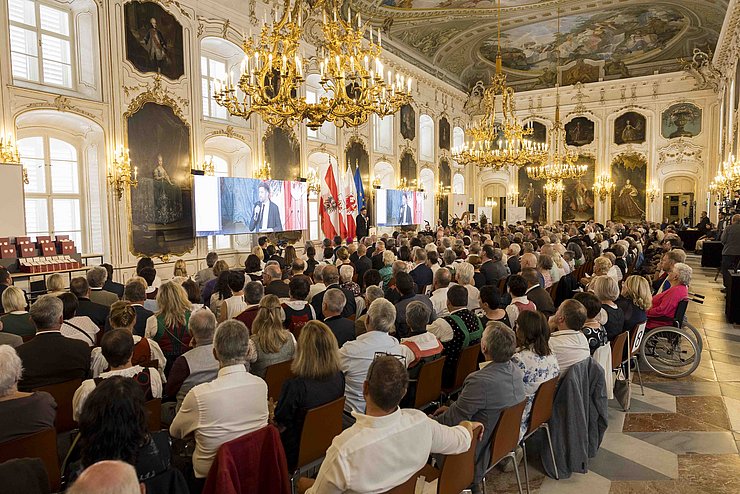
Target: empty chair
321, 425
62, 394
505, 439
275, 376
538, 417
43, 445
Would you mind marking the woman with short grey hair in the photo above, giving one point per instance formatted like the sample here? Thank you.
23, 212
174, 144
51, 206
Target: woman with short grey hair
21, 413
666, 303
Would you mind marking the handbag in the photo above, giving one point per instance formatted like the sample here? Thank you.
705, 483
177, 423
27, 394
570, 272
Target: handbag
622, 389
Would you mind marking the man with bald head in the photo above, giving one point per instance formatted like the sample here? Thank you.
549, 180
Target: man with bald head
272, 278
330, 275
529, 260
108, 477
730, 249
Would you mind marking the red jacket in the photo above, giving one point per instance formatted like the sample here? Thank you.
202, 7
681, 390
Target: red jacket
664, 306
252, 463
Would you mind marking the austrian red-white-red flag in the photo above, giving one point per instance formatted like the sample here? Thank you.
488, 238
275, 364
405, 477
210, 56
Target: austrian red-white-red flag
329, 204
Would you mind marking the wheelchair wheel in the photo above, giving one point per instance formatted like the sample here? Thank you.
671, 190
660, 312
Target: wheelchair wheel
670, 352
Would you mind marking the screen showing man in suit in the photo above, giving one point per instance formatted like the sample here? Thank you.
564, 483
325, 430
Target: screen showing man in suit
228, 205
399, 207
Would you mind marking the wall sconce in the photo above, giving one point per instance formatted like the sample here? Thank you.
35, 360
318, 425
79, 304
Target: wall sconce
652, 192
603, 186
489, 202
513, 197
264, 172
376, 183
121, 175
314, 186
9, 151
442, 191
208, 168
553, 189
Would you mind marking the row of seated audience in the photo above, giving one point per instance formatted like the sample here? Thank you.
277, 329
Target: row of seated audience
203, 344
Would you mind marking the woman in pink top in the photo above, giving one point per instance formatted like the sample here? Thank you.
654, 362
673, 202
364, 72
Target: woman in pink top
665, 303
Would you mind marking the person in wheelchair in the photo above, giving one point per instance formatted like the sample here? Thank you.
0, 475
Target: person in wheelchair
665, 303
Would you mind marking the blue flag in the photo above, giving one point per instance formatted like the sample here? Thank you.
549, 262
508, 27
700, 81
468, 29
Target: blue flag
360, 189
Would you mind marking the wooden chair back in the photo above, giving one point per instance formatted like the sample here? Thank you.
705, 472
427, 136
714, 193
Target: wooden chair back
467, 364
43, 445
321, 425
618, 345
505, 437
542, 404
429, 383
458, 471
275, 376
63, 394
407, 487
154, 414
502, 285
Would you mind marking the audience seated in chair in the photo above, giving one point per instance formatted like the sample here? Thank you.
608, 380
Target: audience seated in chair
536, 293
253, 293
665, 303
273, 343
50, 358
567, 341
206, 274
95, 311
386, 445
96, 278
332, 308
16, 319
330, 275
169, 325
77, 327
135, 294
607, 291
407, 294
499, 384
21, 413
108, 476
297, 309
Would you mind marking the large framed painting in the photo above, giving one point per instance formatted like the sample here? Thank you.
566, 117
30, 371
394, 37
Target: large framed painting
154, 41
681, 120
408, 122
444, 134
161, 215
578, 196
283, 153
408, 167
579, 132
629, 128
532, 197
629, 173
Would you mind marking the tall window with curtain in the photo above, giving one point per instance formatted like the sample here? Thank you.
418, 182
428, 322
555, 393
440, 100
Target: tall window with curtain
54, 204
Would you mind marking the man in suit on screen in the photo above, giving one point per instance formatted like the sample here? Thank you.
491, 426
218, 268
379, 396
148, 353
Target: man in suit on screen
406, 215
266, 213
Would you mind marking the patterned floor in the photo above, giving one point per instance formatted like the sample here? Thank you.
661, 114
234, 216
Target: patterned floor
682, 436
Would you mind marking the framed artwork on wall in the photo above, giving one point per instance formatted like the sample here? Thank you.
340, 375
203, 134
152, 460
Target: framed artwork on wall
154, 40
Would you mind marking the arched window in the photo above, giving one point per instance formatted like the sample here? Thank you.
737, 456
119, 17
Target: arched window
385, 173
314, 92
458, 137
53, 200
383, 134
426, 138
426, 181
458, 184
55, 44
218, 59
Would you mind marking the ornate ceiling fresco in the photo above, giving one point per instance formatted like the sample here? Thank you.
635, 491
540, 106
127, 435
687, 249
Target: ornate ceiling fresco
600, 40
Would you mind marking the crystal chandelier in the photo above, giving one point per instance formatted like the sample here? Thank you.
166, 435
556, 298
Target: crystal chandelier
497, 139
121, 174
355, 81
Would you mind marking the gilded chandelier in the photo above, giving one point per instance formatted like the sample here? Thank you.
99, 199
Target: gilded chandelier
497, 139
9, 151
355, 81
727, 179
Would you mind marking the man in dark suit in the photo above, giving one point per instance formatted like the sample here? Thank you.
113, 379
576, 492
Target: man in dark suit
110, 285
536, 293
272, 255
135, 294
493, 268
421, 274
513, 261
266, 213
97, 312
330, 275
377, 258
332, 307
363, 264
405, 215
487, 392
272, 278
363, 224
50, 358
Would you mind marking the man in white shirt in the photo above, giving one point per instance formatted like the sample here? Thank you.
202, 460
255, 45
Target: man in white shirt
232, 405
442, 279
357, 355
567, 340
387, 445
118, 347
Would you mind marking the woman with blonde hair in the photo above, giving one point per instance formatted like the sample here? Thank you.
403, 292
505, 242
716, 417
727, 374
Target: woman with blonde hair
55, 284
257, 251
123, 316
317, 380
635, 300
612, 318
274, 344
169, 325
180, 272
16, 320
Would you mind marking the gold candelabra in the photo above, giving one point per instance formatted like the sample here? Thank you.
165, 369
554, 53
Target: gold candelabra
355, 81
553, 189
441, 191
264, 172
513, 197
603, 186
497, 139
407, 185
314, 185
208, 168
652, 192
727, 179
121, 175
9, 151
